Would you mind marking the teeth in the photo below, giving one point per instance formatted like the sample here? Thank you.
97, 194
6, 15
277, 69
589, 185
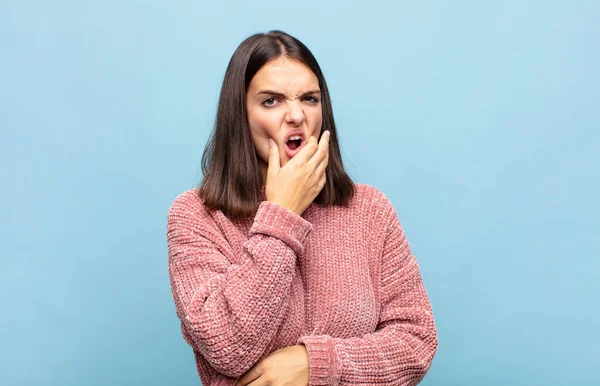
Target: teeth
294, 137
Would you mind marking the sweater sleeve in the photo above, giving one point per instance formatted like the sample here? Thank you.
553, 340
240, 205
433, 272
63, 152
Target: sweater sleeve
230, 312
401, 349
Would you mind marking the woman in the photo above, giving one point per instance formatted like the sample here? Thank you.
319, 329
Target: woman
283, 270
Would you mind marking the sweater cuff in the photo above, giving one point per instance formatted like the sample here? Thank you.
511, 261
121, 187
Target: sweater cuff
274, 220
324, 366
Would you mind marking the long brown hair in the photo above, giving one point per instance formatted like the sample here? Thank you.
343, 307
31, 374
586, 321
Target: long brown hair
232, 178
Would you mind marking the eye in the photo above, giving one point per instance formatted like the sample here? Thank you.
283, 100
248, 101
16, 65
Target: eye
311, 99
269, 102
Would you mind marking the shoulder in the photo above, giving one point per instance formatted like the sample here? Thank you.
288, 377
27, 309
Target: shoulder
372, 196
188, 207
186, 200
375, 207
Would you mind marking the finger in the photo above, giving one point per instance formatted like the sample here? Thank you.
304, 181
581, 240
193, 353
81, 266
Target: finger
258, 382
323, 150
307, 151
323, 181
323, 165
274, 162
248, 377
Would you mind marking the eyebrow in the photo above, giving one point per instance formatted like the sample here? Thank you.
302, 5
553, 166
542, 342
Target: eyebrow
271, 92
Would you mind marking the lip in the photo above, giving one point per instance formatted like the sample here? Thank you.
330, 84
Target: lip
291, 153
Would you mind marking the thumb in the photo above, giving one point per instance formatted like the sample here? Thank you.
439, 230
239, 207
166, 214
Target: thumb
274, 164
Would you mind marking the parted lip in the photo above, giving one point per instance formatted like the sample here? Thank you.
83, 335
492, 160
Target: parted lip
294, 132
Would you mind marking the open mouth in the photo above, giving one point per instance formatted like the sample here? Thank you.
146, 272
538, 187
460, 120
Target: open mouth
294, 144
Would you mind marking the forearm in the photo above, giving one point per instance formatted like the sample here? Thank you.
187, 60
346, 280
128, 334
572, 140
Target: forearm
400, 350
231, 312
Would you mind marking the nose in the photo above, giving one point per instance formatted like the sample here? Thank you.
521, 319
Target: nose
295, 113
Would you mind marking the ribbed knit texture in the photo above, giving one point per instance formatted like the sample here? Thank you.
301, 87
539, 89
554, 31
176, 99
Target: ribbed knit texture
340, 280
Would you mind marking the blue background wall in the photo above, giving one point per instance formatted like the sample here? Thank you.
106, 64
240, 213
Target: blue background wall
479, 120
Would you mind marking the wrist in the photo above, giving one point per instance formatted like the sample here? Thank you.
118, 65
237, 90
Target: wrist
287, 206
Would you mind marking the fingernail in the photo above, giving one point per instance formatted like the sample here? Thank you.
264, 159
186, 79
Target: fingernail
271, 142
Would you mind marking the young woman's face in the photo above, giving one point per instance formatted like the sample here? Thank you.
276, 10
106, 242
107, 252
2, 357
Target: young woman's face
283, 99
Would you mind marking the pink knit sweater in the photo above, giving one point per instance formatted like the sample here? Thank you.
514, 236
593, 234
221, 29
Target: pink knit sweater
340, 280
